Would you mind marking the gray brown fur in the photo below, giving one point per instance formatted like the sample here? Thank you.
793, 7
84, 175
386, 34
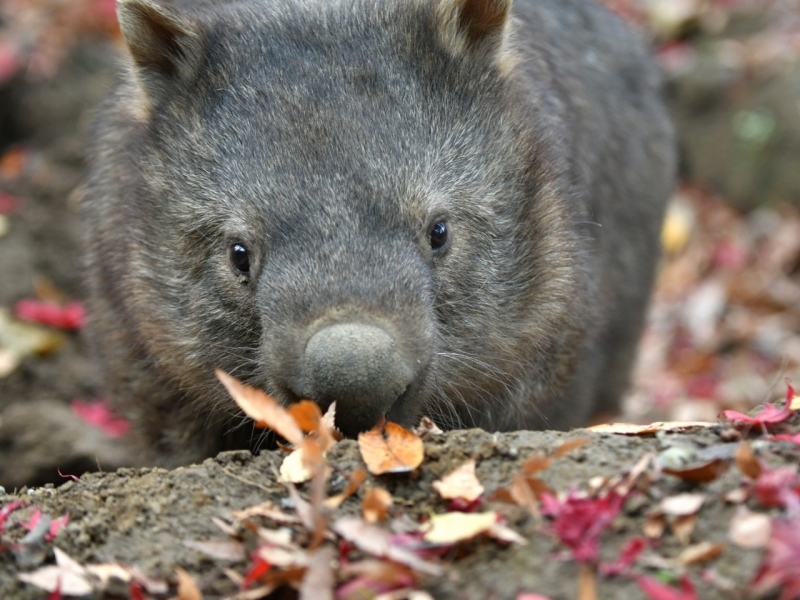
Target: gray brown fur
327, 136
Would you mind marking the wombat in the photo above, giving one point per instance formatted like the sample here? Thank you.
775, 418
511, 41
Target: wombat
409, 207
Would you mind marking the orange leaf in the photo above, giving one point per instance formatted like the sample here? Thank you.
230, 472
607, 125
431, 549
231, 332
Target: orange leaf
187, 588
390, 448
747, 461
376, 504
261, 407
701, 474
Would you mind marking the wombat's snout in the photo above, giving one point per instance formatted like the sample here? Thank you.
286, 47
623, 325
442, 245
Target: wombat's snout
358, 366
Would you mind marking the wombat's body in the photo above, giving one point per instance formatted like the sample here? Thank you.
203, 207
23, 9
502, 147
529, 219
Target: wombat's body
406, 206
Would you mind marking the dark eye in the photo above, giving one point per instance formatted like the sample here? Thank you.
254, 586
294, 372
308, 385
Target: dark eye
240, 258
439, 235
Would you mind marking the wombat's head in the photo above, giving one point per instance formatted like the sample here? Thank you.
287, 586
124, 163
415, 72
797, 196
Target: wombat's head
346, 200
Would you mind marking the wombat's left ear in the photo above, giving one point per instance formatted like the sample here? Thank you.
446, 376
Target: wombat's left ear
163, 42
473, 24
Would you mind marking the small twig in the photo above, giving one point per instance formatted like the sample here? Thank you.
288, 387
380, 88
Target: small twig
243, 480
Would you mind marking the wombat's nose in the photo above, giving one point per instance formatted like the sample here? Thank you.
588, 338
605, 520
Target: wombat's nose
359, 367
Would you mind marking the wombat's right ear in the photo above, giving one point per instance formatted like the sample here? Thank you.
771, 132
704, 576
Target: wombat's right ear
163, 43
473, 25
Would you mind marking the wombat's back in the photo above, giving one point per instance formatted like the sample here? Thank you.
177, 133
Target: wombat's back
407, 207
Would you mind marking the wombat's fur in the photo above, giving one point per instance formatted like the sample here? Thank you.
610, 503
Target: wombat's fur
448, 207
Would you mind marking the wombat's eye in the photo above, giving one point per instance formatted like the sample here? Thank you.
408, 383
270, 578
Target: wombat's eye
439, 234
240, 259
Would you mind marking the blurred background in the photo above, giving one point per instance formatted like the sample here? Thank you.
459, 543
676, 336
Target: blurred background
724, 325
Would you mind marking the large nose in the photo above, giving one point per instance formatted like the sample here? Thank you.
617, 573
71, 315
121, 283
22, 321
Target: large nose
358, 366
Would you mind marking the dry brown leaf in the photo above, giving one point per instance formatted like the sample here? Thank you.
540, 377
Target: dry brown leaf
283, 557
568, 446
587, 583
683, 527
698, 553
523, 494
703, 473
460, 483
652, 428
307, 415
376, 505
749, 529
453, 527
427, 428
261, 407
187, 588
654, 526
357, 478
682, 505
535, 463
268, 511
391, 448
747, 462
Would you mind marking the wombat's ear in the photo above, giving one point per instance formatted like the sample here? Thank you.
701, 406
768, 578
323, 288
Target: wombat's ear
163, 43
467, 24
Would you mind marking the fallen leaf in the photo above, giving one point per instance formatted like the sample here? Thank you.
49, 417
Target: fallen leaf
627, 557
71, 316
108, 571
390, 448
750, 529
187, 588
682, 504
503, 533
427, 428
221, 550
376, 504
357, 478
268, 511
568, 446
260, 407
779, 566
652, 428
655, 590
775, 487
293, 468
579, 521
769, 415
98, 414
451, 528
535, 463
654, 526
698, 553
66, 575
319, 580
460, 483
683, 527
376, 542
703, 473
747, 462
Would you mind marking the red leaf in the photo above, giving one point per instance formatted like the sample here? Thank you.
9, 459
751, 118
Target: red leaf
259, 568
579, 521
655, 590
136, 592
770, 415
98, 414
8, 509
779, 568
774, 487
8, 204
786, 437
56, 593
627, 556
71, 316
